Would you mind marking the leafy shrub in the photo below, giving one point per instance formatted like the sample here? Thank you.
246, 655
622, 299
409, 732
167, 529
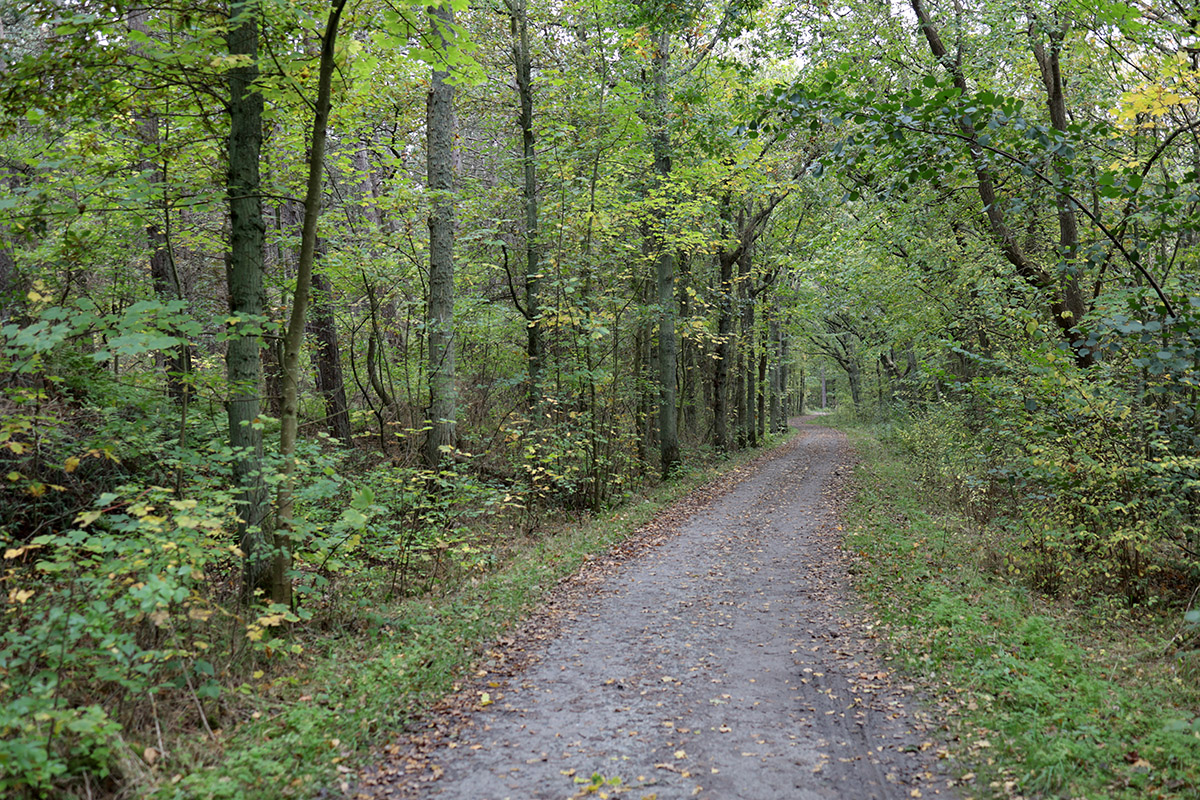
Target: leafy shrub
113, 607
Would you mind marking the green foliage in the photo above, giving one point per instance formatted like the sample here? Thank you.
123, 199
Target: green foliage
422, 530
1042, 702
114, 605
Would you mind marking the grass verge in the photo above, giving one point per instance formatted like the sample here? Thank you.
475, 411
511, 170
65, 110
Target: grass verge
316, 719
1041, 699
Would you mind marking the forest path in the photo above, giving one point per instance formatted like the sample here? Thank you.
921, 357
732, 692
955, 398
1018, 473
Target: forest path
719, 661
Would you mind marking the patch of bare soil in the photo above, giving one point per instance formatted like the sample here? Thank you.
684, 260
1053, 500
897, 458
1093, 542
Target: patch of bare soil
714, 655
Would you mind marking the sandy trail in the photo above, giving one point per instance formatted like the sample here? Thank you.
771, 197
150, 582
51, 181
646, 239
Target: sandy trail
721, 664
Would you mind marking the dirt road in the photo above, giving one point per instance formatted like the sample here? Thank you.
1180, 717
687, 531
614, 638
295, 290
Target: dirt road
720, 664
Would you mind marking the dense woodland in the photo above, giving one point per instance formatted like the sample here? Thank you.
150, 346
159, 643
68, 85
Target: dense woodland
304, 306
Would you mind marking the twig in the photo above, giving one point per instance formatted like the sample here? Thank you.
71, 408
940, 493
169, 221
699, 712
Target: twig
200, 708
162, 749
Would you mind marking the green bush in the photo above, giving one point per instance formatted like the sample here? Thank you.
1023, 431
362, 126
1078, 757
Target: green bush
110, 610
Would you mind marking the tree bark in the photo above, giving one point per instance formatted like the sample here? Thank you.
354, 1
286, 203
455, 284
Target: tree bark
293, 341
777, 422
244, 278
439, 317
725, 324
1068, 226
534, 345
762, 388
327, 355
749, 421
664, 269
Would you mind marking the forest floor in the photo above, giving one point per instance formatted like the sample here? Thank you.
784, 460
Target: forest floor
718, 653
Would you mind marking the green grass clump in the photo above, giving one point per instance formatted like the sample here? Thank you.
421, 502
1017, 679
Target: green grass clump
1042, 699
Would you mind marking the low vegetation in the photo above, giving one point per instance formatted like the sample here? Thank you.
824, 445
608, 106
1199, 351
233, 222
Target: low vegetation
1076, 693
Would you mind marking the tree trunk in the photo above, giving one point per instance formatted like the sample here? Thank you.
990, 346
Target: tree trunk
643, 429
725, 323
688, 368
439, 317
778, 424
1068, 228
761, 382
272, 366
534, 345
854, 378
293, 341
327, 355
749, 421
664, 271
801, 396
244, 278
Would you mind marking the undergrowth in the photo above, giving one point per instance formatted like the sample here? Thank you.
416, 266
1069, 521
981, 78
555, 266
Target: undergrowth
1043, 697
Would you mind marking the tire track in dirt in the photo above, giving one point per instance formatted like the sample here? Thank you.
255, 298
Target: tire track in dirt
720, 664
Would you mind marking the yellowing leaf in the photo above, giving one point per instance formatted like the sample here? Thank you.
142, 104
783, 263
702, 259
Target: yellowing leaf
20, 596
485, 699
17, 552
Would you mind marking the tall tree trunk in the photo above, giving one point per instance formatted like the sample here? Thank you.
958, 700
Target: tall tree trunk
764, 350
854, 378
796, 406
739, 395
1068, 227
725, 321
690, 378
643, 428
749, 421
327, 355
439, 317
244, 277
778, 424
272, 366
664, 269
368, 186
293, 340
534, 346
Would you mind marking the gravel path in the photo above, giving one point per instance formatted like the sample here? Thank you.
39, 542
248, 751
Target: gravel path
722, 663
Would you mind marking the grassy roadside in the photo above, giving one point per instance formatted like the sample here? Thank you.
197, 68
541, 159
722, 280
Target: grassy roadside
1041, 699
311, 723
